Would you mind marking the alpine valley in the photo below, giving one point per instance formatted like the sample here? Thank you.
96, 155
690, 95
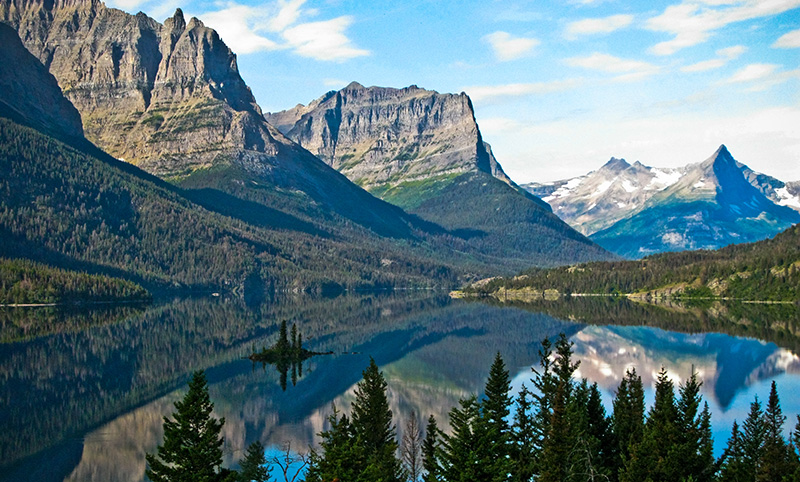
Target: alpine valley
635, 210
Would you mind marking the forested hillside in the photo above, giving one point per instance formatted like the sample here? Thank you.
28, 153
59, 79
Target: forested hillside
765, 270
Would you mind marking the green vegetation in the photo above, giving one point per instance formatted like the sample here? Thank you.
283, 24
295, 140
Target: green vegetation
410, 194
767, 270
561, 432
285, 354
26, 282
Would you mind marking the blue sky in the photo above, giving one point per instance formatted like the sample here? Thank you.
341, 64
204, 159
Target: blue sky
558, 86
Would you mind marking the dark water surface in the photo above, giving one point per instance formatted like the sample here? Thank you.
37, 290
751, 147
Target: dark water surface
83, 393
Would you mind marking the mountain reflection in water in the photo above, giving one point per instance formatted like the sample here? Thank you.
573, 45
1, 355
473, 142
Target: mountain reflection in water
89, 403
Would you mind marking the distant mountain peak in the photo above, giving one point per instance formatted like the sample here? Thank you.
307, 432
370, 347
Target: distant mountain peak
615, 164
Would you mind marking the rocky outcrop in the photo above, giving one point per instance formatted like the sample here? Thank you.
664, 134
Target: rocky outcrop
29, 94
168, 97
380, 137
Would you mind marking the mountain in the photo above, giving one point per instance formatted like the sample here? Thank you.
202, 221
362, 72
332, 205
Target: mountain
635, 210
390, 140
599, 199
70, 205
423, 151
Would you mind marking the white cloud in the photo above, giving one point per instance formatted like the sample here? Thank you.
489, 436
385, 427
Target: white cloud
485, 92
704, 65
591, 26
507, 47
629, 69
323, 40
789, 40
726, 54
731, 53
691, 23
752, 73
280, 25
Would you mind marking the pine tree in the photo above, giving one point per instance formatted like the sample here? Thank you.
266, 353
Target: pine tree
753, 439
495, 407
598, 436
545, 384
282, 346
523, 439
628, 417
690, 455
253, 467
462, 454
732, 462
650, 458
776, 461
192, 449
340, 456
372, 424
430, 448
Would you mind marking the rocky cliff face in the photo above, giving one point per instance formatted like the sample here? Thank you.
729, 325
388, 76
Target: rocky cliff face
384, 137
29, 94
168, 97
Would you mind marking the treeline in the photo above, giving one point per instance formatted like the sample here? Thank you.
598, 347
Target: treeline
23, 281
559, 432
767, 270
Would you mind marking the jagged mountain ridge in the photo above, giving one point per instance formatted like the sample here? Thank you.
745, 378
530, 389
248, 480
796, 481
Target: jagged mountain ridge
383, 137
712, 204
423, 151
597, 200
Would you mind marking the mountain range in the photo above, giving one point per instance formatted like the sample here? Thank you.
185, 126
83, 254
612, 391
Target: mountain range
636, 210
243, 204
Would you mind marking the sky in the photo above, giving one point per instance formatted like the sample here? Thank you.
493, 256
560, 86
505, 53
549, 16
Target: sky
558, 87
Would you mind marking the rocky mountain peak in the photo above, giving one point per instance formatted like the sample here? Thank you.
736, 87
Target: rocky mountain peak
168, 98
384, 137
616, 165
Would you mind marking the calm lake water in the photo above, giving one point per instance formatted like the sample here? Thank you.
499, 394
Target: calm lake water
83, 394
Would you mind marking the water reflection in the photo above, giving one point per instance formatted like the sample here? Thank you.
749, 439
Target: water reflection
90, 402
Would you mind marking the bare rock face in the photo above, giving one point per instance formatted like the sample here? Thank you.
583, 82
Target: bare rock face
383, 136
167, 98
30, 94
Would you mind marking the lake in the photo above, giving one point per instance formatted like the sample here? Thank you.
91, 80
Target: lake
83, 392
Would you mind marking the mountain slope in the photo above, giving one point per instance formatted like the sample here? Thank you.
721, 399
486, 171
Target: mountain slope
73, 206
423, 151
711, 206
636, 210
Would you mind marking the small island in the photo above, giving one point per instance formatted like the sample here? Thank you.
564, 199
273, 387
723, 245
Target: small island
285, 354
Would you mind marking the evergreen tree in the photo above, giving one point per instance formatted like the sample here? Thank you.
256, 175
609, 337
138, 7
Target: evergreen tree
691, 455
628, 418
651, 458
523, 439
494, 410
254, 465
463, 453
282, 346
192, 449
754, 436
732, 462
776, 461
598, 437
372, 424
295, 347
430, 448
340, 458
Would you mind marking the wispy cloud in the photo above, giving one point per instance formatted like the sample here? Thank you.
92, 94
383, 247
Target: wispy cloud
591, 26
752, 73
692, 23
790, 40
507, 47
724, 55
283, 25
484, 92
627, 69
